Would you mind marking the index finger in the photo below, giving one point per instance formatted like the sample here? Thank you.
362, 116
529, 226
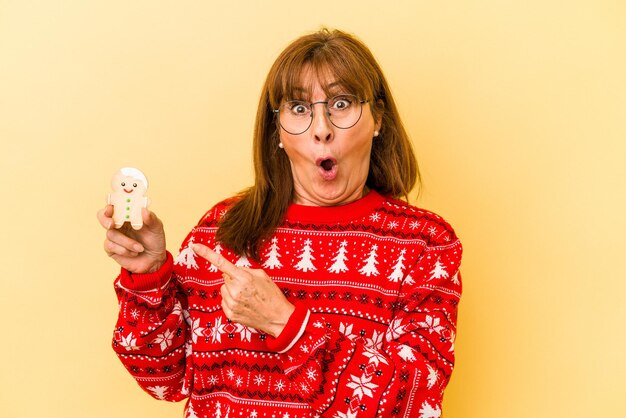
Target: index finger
216, 259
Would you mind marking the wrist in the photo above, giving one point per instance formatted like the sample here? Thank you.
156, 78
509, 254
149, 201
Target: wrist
148, 281
292, 331
159, 262
276, 327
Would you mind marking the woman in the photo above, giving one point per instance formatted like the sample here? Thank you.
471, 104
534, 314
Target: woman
314, 293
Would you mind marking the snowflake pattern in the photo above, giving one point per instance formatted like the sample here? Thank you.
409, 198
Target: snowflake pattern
129, 342
164, 340
230, 328
311, 374
432, 325
375, 357
362, 386
196, 330
395, 330
279, 386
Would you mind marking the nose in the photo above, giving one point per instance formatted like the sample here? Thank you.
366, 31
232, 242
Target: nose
321, 128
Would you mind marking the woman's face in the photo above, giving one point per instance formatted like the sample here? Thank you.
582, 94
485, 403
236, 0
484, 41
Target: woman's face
329, 165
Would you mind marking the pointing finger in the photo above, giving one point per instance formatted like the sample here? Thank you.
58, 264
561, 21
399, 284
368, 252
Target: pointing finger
216, 259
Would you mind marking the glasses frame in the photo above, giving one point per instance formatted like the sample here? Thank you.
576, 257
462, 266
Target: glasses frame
325, 103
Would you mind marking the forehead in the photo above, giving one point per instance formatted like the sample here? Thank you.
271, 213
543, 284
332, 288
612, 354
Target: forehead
312, 83
316, 82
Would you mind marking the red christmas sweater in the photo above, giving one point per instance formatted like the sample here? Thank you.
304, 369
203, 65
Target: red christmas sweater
376, 287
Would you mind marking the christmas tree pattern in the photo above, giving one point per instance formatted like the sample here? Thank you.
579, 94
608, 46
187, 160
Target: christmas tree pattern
427, 411
369, 268
217, 249
187, 257
191, 413
339, 265
158, 391
439, 271
272, 261
243, 262
306, 258
397, 274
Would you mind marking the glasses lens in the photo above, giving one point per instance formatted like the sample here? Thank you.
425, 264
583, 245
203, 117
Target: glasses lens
295, 116
344, 110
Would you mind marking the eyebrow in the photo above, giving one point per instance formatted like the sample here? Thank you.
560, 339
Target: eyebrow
330, 87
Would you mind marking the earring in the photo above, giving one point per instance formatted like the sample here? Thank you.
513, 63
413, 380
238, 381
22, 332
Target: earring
280, 145
375, 133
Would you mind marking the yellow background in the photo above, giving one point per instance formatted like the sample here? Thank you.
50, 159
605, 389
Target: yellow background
517, 110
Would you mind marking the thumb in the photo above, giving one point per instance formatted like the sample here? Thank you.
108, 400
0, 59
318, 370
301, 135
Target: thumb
150, 220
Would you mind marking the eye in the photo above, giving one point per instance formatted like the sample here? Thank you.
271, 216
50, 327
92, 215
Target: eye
341, 102
123, 184
134, 184
298, 108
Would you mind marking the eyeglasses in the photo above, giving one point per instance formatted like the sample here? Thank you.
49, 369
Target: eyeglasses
343, 111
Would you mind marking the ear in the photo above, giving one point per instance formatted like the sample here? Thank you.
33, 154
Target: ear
380, 105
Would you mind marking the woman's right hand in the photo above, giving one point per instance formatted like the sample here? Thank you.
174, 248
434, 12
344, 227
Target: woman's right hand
138, 251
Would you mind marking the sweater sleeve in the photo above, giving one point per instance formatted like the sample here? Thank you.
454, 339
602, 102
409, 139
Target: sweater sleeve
401, 374
150, 337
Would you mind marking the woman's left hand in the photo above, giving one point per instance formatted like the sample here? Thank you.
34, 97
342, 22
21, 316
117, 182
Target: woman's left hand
249, 296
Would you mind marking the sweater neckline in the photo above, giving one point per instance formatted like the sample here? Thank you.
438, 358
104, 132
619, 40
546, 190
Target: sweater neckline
335, 214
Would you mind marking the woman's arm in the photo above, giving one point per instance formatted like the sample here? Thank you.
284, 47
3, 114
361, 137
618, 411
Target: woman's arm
150, 336
402, 373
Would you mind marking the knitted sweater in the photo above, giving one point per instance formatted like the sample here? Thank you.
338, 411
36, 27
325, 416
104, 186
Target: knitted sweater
375, 284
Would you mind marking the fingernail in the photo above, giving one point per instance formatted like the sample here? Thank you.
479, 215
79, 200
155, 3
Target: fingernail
138, 248
110, 225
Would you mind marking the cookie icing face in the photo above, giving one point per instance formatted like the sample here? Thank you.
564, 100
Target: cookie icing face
128, 185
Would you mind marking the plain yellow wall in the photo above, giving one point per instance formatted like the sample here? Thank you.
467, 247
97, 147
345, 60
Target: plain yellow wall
517, 111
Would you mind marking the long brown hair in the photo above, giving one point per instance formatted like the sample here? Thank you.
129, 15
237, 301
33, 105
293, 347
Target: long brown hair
393, 168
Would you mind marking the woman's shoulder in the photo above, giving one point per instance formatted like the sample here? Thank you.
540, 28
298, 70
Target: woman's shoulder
417, 220
212, 216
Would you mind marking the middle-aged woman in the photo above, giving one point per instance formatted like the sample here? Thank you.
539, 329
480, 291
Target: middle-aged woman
315, 292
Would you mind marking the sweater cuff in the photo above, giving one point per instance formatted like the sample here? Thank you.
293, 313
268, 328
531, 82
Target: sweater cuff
139, 282
292, 332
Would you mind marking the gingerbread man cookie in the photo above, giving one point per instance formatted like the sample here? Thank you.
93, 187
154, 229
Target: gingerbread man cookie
129, 187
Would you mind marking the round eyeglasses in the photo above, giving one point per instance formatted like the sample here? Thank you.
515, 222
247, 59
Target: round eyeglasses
343, 111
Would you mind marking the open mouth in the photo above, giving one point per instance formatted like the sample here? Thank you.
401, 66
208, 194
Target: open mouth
328, 168
327, 164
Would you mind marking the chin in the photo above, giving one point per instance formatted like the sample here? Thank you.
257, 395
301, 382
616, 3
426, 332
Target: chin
333, 196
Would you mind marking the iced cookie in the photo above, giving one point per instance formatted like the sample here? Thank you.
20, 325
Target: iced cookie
129, 187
